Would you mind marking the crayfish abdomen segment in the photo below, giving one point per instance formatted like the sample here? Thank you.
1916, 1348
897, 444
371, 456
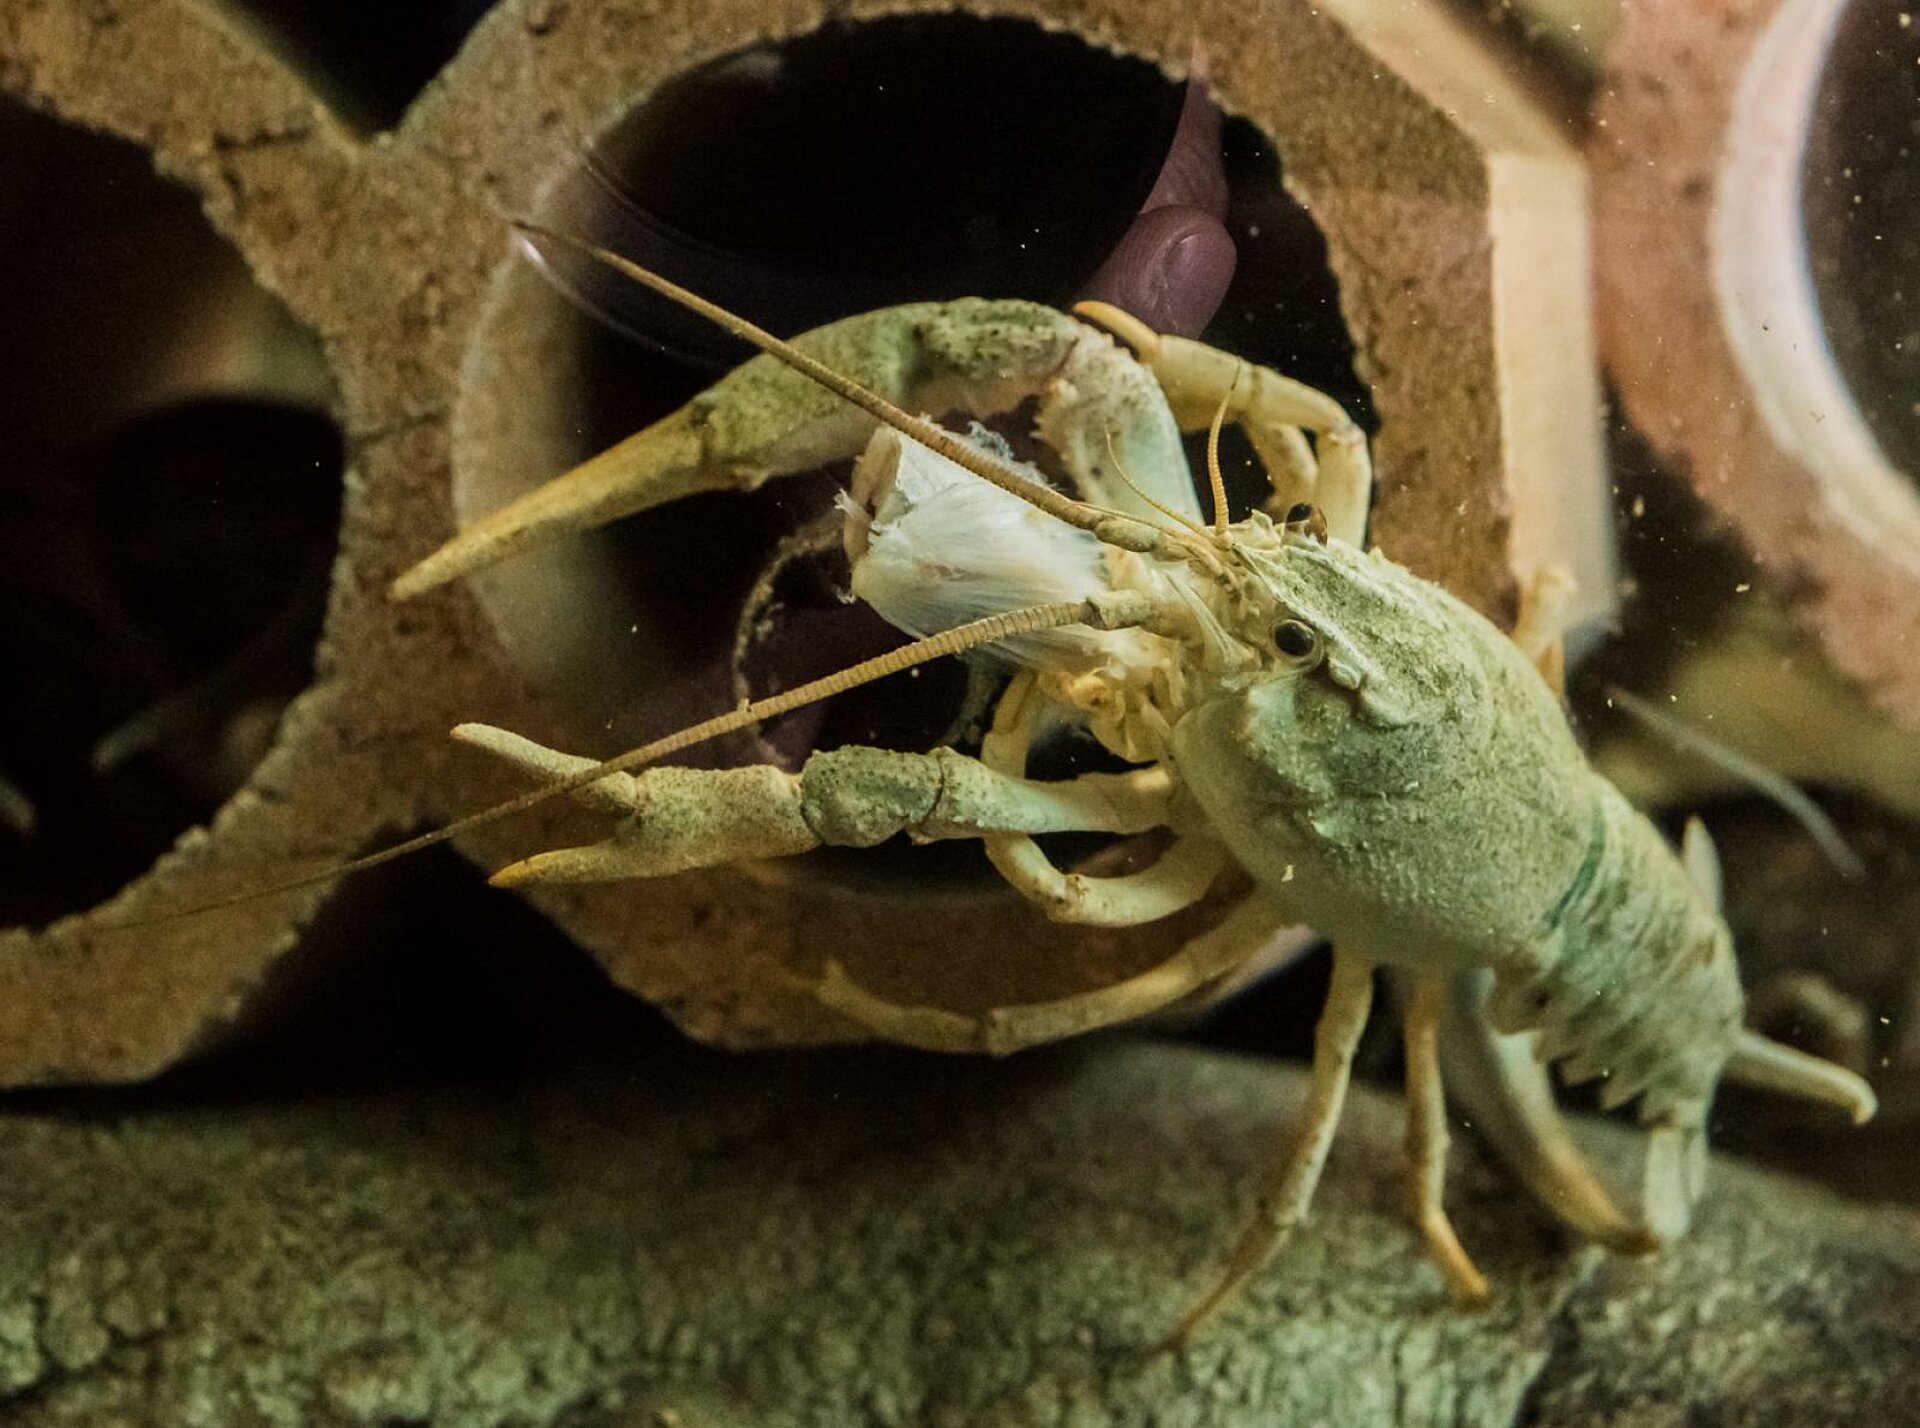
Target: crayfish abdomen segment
1637, 983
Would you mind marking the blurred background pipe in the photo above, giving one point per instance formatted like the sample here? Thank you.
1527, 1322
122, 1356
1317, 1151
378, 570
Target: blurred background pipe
1757, 238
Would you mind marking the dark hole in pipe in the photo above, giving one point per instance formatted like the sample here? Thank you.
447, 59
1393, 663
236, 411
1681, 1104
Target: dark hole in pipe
169, 515
865, 165
462, 984
1861, 199
366, 59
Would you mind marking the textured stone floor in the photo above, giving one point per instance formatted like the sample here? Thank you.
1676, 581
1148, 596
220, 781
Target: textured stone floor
620, 1236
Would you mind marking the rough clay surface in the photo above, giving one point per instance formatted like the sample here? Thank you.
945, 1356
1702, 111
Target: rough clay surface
866, 1239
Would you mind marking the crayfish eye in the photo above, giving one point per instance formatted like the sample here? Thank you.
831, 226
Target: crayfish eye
1295, 640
